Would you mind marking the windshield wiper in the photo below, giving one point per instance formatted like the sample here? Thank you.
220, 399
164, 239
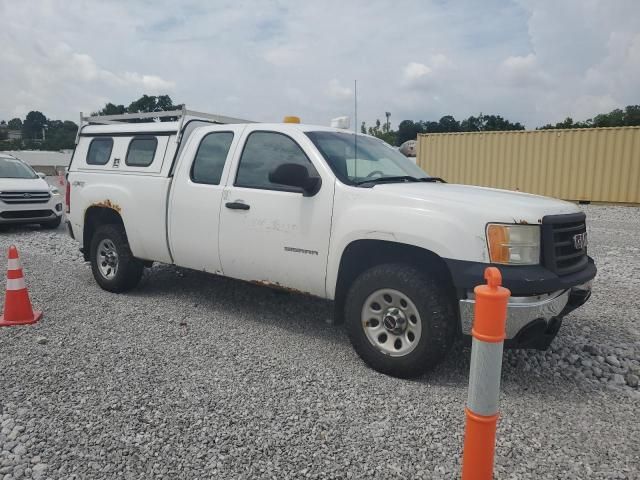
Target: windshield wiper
400, 178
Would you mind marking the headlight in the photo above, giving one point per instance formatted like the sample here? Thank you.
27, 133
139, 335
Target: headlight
514, 244
54, 190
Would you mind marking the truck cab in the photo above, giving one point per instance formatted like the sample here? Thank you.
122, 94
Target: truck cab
329, 213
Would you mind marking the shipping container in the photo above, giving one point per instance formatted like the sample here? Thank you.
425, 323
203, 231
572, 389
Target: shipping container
586, 164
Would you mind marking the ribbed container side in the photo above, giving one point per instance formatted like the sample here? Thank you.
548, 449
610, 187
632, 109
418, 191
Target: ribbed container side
590, 164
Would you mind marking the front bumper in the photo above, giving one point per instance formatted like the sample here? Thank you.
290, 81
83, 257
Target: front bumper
31, 213
532, 321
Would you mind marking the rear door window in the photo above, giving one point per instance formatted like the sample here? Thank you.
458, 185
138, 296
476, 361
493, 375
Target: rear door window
141, 151
99, 151
210, 159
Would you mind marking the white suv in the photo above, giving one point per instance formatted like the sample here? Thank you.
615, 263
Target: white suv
25, 197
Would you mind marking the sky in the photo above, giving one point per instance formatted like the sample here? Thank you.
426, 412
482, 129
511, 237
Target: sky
530, 61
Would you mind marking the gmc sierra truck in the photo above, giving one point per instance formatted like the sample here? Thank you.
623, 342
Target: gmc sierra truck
328, 213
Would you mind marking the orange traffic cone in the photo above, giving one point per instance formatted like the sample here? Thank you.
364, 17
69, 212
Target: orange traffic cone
17, 306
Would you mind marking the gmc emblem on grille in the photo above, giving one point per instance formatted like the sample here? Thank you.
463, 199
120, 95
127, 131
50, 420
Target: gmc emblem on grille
580, 241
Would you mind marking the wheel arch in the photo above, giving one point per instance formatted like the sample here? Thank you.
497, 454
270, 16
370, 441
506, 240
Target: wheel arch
361, 255
95, 216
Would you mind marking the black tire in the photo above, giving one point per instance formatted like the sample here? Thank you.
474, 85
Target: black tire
129, 269
436, 314
52, 224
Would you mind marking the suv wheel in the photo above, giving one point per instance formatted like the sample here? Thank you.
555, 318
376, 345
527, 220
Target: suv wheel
113, 265
399, 320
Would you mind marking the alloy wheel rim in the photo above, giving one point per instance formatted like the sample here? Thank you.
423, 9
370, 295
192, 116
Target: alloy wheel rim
107, 259
391, 322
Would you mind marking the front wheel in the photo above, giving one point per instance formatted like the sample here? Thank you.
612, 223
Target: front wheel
399, 320
113, 265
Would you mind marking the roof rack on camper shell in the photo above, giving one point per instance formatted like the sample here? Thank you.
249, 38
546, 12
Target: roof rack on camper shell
181, 115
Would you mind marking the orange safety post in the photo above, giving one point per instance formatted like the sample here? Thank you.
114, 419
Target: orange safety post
488, 333
17, 305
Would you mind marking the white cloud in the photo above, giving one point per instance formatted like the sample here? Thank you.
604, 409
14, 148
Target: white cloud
336, 90
150, 83
283, 55
533, 62
416, 74
523, 72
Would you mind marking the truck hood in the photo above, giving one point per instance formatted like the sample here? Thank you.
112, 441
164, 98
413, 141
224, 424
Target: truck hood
490, 203
21, 184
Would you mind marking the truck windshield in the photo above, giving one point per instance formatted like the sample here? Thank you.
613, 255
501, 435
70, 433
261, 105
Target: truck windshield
14, 168
365, 160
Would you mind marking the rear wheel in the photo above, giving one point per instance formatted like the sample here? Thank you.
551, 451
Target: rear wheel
399, 320
113, 265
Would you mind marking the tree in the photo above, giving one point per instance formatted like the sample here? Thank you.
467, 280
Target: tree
15, 124
151, 103
449, 124
488, 123
382, 132
33, 125
630, 116
60, 135
408, 130
494, 123
145, 104
112, 109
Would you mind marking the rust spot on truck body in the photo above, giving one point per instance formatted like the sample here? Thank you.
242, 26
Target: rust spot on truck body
277, 286
108, 204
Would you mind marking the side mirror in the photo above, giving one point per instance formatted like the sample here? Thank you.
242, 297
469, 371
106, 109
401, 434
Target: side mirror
297, 176
41, 175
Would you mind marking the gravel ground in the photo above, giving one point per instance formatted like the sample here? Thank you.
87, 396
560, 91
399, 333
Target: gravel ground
193, 376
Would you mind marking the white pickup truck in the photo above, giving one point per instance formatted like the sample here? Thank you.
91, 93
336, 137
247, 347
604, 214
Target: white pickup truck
328, 213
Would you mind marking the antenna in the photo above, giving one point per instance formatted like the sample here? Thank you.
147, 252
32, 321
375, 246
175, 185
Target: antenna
355, 127
355, 102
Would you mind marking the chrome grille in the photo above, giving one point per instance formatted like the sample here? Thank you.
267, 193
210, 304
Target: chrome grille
564, 248
25, 197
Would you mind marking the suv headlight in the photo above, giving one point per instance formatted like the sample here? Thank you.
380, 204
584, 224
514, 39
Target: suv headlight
54, 190
514, 244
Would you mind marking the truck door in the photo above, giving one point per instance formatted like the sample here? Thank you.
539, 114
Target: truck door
271, 233
196, 195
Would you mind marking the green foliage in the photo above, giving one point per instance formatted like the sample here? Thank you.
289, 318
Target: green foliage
60, 135
111, 109
409, 130
382, 131
14, 124
10, 145
629, 117
151, 103
33, 125
145, 104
